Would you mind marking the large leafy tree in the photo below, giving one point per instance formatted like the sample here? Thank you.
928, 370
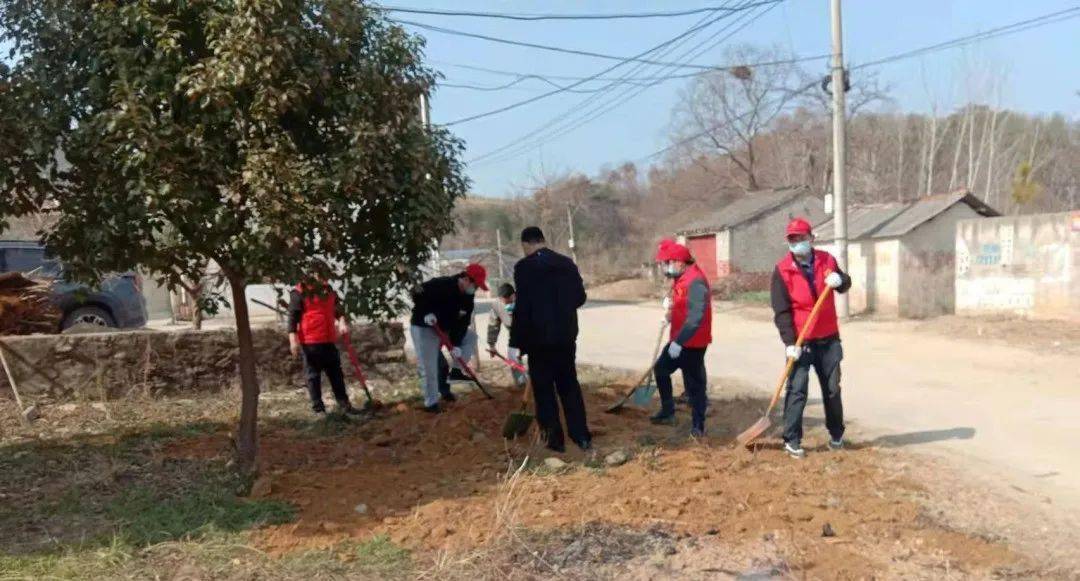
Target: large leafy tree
278, 138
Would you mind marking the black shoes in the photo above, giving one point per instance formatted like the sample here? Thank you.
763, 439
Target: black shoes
663, 418
449, 397
458, 376
432, 409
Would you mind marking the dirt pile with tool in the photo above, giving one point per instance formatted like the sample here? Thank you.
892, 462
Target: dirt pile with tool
26, 306
451, 483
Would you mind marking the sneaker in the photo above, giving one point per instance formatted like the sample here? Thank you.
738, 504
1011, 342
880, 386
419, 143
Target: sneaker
458, 376
683, 399
585, 445
449, 397
432, 409
837, 444
319, 412
794, 450
697, 432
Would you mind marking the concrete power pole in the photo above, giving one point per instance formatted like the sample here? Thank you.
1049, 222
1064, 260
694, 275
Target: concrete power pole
498, 249
839, 86
572, 244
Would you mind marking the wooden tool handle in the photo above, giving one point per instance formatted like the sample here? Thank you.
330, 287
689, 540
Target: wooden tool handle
799, 343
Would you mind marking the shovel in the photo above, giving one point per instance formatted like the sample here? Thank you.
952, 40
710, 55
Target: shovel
445, 340
641, 394
761, 426
518, 422
371, 404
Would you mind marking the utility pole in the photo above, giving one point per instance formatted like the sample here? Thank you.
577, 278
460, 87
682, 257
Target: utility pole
839, 86
498, 249
570, 221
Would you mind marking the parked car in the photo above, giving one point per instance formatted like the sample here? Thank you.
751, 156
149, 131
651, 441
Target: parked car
117, 302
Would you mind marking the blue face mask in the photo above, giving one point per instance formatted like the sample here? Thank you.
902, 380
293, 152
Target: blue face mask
800, 248
510, 307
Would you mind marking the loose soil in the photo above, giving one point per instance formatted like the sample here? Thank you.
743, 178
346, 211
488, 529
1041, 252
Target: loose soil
448, 484
1040, 335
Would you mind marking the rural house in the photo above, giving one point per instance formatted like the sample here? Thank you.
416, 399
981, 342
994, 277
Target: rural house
902, 256
747, 235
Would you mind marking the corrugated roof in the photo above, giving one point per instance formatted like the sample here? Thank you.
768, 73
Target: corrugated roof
897, 219
749, 207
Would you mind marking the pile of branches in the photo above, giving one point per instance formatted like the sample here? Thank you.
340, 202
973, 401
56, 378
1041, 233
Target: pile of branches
26, 306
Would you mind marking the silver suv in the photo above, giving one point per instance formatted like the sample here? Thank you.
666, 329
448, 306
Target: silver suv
117, 302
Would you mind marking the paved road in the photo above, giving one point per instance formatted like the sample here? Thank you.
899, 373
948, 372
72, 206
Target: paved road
1008, 412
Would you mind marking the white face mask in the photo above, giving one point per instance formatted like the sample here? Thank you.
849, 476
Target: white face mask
672, 270
470, 290
800, 248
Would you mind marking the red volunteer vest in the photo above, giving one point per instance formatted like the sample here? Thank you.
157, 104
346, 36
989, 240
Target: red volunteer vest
802, 299
317, 320
680, 294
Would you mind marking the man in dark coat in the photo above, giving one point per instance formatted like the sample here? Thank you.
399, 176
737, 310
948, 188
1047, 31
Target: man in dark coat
545, 327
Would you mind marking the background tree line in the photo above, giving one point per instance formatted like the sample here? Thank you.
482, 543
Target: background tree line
740, 130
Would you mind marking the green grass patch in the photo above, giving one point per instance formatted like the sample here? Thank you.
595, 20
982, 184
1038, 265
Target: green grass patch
145, 518
752, 297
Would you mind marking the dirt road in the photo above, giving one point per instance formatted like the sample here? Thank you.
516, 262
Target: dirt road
1009, 413
1012, 412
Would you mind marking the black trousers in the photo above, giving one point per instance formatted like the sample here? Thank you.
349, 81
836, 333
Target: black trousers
444, 375
322, 358
824, 356
554, 378
692, 364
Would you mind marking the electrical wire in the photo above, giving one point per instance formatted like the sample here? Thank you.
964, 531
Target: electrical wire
629, 93
576, 84
559, 49
534, 17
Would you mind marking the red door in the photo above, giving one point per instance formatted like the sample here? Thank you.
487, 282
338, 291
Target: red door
703, 248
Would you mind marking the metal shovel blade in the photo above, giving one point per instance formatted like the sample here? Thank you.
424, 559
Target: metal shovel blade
643, 394
754, 432
517, 423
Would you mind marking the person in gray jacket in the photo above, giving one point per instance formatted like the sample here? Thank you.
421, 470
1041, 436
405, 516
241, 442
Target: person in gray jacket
502, 312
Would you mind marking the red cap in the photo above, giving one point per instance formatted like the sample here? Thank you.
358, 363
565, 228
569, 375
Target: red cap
670, 250
798, 227
477, 274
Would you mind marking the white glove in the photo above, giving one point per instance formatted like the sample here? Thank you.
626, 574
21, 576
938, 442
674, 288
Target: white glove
430, 320
666, 303
674, 350
793, 352
834, 280
456, 352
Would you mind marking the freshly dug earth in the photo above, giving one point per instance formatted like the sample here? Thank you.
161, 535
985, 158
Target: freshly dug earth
1040, 335
450, 483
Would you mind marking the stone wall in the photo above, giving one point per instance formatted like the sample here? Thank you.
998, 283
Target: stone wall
156, 363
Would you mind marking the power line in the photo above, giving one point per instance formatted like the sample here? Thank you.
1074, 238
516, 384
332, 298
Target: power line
1016, 27
577, 52
613, 16
579, 106
1013, 28
626, 95
576, 84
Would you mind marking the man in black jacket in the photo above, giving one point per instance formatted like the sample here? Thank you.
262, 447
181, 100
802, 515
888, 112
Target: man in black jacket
545, 327
446, 302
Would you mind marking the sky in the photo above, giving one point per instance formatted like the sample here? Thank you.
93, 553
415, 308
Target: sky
1036, 70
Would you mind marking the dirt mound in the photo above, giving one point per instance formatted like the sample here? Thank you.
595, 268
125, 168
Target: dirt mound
449, 482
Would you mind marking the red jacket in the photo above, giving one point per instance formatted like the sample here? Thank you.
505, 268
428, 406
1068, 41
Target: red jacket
680, 309
317, 318
802, 297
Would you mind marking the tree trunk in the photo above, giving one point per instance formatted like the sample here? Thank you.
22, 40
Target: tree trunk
246, 435
956, 153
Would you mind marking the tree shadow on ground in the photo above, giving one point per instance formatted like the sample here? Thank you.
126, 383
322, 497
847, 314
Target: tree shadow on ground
916, 438
93, 491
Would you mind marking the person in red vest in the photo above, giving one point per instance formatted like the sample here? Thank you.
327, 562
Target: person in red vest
799, 278
315, 322
691, 332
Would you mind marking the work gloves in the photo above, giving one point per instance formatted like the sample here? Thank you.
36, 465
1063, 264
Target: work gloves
834, 280
430, 320
674, 350
456, 352
793, 352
